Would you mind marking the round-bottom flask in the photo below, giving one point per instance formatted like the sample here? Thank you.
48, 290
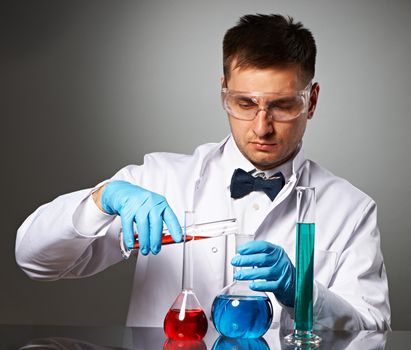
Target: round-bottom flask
239, 312
185, 320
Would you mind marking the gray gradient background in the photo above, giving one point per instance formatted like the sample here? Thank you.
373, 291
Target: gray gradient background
87, 87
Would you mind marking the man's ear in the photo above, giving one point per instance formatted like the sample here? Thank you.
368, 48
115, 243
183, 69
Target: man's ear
222, 81
315, 91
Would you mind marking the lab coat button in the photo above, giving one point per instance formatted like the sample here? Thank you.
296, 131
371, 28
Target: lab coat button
214, 249
256, 206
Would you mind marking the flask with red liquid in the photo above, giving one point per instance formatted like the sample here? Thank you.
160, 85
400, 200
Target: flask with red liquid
186, 320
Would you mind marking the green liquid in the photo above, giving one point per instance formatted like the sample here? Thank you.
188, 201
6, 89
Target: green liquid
303, 319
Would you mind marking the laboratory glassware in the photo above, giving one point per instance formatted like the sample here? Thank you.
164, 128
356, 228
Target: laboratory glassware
224, 343
203, 230
305, 234
186, 320
238, 311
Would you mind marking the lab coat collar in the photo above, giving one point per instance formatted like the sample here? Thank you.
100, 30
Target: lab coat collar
232, 159
215, 150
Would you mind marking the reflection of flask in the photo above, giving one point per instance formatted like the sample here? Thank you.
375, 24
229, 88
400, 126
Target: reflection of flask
171, 344
238, 311
186, 320
223, 343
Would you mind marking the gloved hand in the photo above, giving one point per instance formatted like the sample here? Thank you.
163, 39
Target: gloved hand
147, 209
271, 264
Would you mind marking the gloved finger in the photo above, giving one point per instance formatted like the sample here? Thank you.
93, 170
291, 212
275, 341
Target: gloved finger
255, 247
156, 228
259, 260
266, 286
128, 231
143, 228
266, 273
172, 224
282, 293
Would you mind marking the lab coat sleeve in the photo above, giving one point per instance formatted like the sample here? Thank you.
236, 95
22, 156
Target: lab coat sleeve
70, 237
357, 297
49, 247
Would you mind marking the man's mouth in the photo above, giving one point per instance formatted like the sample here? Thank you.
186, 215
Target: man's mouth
264, 146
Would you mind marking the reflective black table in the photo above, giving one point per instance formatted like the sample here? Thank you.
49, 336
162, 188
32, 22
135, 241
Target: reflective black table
104, 338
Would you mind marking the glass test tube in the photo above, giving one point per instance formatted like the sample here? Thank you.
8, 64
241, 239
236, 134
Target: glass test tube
201, 231
303, 307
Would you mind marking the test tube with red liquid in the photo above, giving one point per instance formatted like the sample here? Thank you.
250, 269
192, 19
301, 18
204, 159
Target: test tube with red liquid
200, 231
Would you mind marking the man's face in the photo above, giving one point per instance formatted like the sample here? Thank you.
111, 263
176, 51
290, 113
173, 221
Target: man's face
264, 142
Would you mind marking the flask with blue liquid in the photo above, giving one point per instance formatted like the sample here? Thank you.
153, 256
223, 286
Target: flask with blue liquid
238, 311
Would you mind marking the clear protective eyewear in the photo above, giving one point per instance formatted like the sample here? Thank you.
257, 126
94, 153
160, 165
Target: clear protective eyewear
280, 106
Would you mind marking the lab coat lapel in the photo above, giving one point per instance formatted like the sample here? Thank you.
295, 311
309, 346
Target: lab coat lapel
286, 192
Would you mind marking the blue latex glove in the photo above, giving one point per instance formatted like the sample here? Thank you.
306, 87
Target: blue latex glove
271, 263
147, 209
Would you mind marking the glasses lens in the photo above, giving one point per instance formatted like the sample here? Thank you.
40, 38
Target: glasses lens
241, 106
280, 107
287, 108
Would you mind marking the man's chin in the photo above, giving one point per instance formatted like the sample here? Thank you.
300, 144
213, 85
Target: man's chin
265, 163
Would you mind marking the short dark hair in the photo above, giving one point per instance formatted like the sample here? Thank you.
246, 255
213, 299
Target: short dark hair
264, 41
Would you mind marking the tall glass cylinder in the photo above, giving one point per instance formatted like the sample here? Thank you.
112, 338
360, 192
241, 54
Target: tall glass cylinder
304, 265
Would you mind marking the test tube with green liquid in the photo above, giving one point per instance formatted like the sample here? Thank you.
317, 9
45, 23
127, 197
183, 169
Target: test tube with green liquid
303, 307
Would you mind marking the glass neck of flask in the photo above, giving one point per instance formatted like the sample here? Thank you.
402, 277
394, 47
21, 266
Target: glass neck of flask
187, 281
241, 239
236, 269
244, 283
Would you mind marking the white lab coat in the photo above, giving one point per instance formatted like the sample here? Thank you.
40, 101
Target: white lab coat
351, 290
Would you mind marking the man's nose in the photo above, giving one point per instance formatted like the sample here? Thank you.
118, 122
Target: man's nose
263, 123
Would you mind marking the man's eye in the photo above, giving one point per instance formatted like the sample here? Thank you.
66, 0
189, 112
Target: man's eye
284, 104
246, 104
281, 106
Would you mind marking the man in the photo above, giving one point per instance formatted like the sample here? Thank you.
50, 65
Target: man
269, 95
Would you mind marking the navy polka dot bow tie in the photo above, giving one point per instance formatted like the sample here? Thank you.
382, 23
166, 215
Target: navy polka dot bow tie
242, 183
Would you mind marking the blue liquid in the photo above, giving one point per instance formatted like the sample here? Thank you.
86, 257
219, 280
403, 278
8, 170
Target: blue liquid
303, 308
242, 316
224, 343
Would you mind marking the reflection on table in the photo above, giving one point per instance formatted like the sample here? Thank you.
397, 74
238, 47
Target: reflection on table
59, 343
105, 338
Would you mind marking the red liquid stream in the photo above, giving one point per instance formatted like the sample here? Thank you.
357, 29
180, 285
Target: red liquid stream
167, 239
192, 327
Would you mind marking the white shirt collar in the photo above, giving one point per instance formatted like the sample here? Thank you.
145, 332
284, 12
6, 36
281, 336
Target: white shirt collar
233, 159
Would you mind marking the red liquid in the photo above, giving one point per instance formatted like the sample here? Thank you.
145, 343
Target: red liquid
193, 327
171, 344
167, 239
